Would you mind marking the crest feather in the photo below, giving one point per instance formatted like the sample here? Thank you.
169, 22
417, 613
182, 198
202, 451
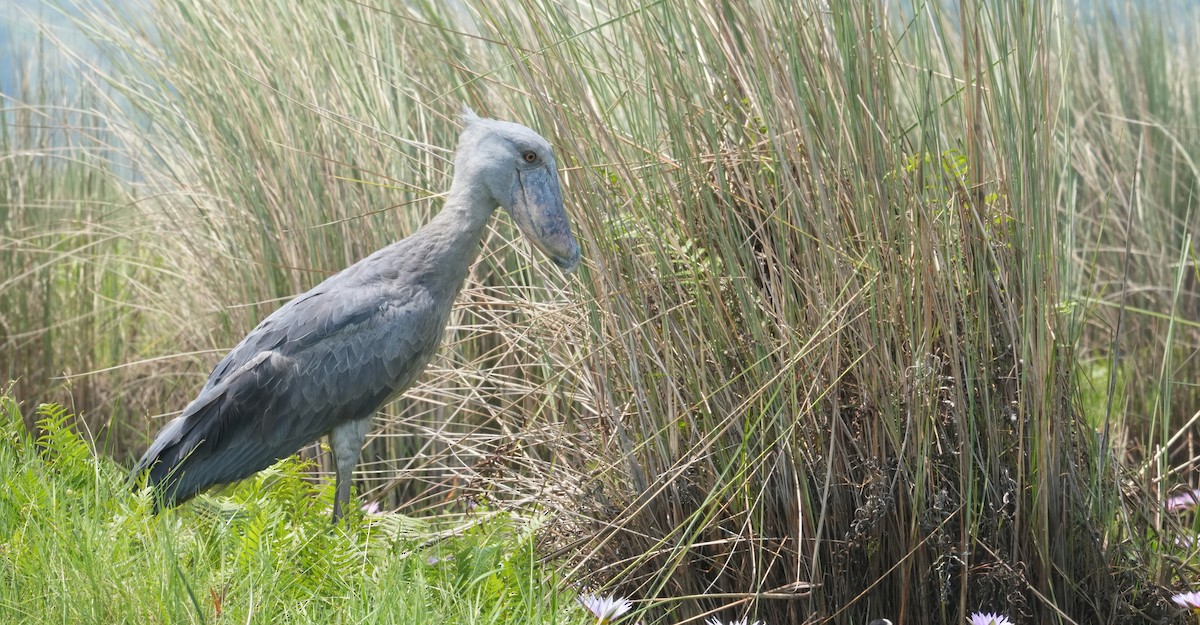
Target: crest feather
468, 116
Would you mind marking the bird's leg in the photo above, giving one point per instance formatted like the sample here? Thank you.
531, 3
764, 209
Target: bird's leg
346, 440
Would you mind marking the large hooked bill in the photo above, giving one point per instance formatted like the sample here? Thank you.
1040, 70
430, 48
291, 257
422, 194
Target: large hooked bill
537, 210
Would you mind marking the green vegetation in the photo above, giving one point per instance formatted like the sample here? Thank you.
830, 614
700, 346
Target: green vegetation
884, 313
80, 547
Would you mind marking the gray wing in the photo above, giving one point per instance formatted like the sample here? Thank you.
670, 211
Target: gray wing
331, 355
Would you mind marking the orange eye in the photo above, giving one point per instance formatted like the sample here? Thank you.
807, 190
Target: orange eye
530, 156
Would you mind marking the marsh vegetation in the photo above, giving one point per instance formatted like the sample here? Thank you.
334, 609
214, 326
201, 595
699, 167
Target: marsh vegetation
886, 310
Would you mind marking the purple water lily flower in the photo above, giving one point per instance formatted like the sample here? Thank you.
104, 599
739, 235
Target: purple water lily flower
1184, 501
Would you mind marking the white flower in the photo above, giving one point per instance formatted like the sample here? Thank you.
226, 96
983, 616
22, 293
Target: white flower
987, 618
1190, 600
714, 621
606, 609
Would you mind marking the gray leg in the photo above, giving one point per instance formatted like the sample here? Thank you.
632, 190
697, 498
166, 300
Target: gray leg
347, 442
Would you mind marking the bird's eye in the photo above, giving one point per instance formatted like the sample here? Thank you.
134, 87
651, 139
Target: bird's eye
530, 156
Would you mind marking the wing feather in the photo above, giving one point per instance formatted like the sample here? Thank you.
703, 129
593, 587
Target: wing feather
328, 356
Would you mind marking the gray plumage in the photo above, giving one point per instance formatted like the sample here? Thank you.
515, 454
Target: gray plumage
326, 361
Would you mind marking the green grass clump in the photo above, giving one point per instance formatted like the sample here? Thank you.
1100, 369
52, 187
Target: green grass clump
78, 546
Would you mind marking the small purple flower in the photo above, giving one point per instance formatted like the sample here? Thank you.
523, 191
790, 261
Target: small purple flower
605, 609
371, 508
1189, 600
987, 618
1185, 501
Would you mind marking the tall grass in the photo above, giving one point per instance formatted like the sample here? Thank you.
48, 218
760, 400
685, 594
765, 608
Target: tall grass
1131, 192
62, 237
843, 264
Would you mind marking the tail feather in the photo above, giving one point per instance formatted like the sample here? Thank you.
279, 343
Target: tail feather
166, 460
161, 462
194, 452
